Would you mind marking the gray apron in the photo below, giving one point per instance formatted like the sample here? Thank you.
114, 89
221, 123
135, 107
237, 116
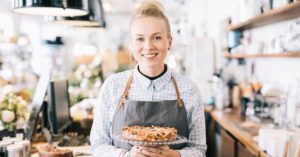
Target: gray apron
168, 113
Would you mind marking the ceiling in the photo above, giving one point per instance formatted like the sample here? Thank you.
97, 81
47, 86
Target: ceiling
127, 6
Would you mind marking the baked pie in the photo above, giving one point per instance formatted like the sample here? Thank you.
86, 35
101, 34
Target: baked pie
149, 133
52, 151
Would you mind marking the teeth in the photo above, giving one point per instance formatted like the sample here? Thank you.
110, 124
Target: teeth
150, 55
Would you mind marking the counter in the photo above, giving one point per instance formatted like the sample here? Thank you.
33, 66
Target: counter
242, 131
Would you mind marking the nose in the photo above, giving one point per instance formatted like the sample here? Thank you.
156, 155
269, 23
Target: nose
148, 45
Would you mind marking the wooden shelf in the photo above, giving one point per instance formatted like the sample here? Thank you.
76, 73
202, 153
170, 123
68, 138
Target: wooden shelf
277, 55
287, 12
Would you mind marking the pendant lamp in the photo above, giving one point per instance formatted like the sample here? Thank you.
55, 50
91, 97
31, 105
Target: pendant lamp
95, 17
51, 7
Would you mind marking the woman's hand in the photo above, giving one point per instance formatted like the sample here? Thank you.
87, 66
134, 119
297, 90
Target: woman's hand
136, 151
163, 151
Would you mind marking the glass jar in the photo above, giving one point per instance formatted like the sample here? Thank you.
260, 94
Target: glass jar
280, 113
15, 150
250, 111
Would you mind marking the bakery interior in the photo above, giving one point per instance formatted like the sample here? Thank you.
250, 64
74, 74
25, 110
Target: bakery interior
244, 56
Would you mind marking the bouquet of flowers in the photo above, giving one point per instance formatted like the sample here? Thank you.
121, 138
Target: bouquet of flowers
85, 81
13, 112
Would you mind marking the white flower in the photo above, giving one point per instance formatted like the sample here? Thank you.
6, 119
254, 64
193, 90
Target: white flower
20, 122
8, 116
77, 113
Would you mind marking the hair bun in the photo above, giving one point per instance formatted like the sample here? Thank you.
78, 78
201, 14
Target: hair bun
151, 8
150, 5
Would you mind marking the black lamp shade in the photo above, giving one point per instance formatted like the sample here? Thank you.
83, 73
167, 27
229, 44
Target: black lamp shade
51, 7
95, 17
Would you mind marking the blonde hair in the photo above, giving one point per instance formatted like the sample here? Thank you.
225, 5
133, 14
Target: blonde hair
151, 8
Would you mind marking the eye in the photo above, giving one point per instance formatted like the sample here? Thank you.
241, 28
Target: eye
140, 39
157, 38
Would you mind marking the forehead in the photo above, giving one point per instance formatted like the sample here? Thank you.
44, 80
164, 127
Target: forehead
148, 26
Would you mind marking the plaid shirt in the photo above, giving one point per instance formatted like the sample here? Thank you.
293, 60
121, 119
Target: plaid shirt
144, 89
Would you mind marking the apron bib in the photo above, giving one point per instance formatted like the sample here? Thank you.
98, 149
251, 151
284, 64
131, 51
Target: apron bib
166, 113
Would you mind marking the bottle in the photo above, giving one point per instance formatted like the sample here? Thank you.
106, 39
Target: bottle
254, 80
250, 112
280, 113
297, 115
297, 106
247, 96
293, 104
219, 96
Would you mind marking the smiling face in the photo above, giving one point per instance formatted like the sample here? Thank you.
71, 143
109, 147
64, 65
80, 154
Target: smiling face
150, 42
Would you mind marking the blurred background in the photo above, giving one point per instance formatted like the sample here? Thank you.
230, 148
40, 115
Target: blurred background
242, 54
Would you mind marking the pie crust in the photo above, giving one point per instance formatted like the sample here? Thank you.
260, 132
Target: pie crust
149, 134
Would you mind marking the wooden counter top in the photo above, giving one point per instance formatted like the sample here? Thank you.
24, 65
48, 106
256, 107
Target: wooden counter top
243, 130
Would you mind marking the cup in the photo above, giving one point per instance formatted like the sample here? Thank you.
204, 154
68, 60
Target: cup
26, 147
15, 150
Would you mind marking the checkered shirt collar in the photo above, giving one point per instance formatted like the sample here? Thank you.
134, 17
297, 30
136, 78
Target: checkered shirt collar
146, 83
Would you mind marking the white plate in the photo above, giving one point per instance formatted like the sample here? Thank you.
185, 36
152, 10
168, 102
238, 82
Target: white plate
179, 140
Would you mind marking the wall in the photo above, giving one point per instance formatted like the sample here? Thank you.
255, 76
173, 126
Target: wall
282, 69
282, 72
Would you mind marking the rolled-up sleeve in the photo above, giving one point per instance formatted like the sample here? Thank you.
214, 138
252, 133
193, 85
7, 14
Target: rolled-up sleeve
101, 142
196, 146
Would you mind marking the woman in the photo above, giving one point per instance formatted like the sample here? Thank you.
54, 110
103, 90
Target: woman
149, 94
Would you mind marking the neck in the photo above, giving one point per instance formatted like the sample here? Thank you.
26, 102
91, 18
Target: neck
152, 72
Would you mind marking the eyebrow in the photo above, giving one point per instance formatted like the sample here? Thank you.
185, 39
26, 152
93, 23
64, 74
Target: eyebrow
151, 35
157, 33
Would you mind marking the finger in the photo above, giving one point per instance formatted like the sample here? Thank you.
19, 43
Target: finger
165, 147
137, 148
135, 151
152, 154
152, 149
140, 155
145, 147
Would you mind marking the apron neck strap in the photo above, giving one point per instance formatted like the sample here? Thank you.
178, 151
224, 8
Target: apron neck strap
179, 100
125, 92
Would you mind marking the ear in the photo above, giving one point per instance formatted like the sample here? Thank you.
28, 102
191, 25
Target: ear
130, 45
170, 43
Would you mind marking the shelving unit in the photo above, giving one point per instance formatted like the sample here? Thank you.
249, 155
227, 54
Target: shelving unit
290, 11
274, 55
287, 12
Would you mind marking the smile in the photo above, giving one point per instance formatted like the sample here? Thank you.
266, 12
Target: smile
150, 55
